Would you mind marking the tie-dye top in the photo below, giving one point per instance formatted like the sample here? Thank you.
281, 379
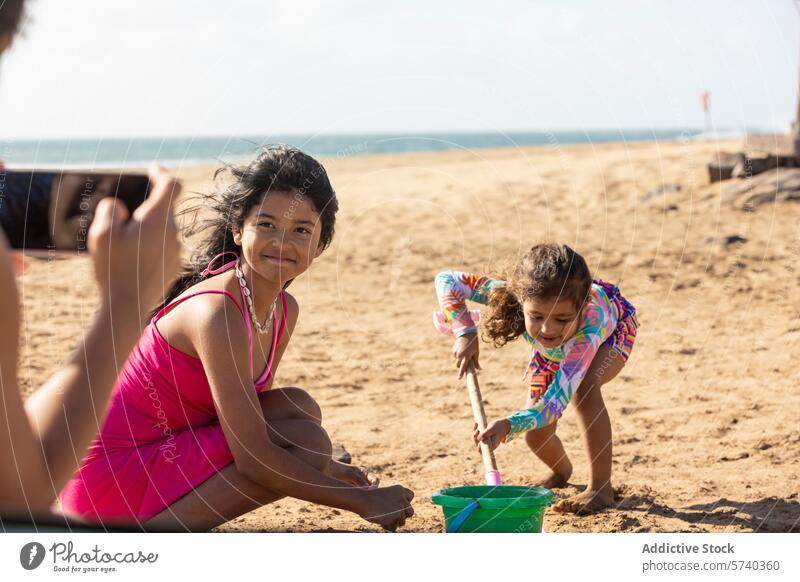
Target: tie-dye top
575, 355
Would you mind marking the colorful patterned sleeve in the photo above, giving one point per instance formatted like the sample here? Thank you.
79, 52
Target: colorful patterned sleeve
599, 322
453, 288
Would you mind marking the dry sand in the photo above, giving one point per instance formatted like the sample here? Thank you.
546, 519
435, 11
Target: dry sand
705, 414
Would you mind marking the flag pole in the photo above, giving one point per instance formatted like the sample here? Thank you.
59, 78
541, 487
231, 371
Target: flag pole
795, 133
704, 102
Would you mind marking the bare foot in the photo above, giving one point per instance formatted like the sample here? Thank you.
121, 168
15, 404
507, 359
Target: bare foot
586, 502
552, 481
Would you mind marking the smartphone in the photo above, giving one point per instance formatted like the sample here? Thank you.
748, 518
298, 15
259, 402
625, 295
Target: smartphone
51, 210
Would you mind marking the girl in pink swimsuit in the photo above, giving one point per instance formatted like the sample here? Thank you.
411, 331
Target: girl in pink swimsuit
192, 437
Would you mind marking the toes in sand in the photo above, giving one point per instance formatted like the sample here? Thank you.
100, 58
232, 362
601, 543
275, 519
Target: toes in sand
552, 481
586, 502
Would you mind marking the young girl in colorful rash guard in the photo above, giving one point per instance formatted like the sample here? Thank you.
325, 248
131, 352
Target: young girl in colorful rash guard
581, 331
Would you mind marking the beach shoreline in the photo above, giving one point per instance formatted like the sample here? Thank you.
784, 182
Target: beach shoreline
137, 152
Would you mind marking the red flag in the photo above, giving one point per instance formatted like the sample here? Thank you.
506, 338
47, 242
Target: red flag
704, 101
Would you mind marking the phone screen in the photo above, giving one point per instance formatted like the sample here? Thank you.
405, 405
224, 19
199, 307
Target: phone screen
52, 210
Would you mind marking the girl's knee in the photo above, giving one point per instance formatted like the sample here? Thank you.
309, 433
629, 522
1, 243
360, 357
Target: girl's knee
305, 404
301, 405
321, 447
540, 435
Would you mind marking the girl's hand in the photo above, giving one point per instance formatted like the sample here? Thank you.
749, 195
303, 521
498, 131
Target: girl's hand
465, 350
495, 433
136, 260
389, 507
356, 476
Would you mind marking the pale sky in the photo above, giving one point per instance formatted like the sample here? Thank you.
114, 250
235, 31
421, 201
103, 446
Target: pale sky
186, 68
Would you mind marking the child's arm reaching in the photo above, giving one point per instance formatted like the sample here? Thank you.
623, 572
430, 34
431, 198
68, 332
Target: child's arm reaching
453, 288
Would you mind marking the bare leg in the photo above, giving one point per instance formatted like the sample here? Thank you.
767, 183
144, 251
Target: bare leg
296, 403
595, 429
546, 445
291, 402
292, 418
228, 494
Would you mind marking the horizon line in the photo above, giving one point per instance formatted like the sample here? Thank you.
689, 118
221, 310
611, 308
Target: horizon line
397, 133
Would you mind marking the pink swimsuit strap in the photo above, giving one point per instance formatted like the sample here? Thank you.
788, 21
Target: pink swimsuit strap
276, 336
209, 271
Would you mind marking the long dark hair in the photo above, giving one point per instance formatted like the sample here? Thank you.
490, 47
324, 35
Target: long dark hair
278, 168
547, 271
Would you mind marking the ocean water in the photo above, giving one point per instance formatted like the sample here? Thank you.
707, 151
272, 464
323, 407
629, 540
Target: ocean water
183, 151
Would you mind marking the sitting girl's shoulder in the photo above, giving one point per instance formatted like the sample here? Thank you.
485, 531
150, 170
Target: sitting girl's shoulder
201, 311
291, 302
292, 309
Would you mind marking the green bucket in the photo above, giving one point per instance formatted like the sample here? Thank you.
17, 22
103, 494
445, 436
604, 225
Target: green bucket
493, 508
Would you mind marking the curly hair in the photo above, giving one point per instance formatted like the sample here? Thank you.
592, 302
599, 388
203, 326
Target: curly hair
546, 271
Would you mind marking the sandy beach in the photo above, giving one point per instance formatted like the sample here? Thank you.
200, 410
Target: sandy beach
704, 415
